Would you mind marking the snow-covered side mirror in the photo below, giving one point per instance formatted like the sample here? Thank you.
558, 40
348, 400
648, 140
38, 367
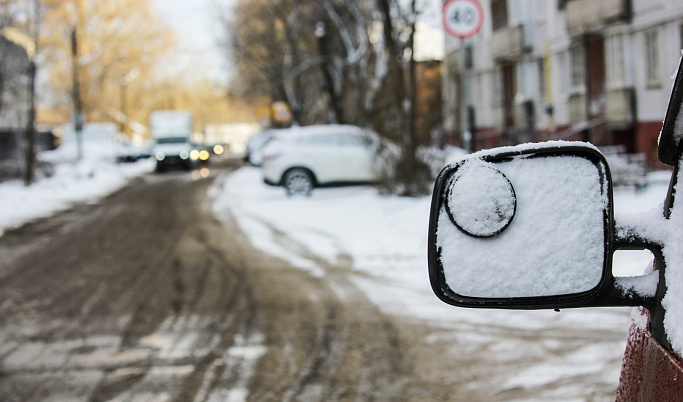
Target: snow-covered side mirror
524, 227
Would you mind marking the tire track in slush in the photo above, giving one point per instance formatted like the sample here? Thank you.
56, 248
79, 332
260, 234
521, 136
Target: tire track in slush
131, 298
355, 352
173, 305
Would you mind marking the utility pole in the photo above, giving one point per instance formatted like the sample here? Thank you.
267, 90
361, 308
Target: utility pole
31, 49
463, 19
464, 126
412, 88
78, 107
31, 125
123, 122
324, 51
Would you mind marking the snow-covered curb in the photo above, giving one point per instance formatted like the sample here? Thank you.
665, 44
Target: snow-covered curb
71, 183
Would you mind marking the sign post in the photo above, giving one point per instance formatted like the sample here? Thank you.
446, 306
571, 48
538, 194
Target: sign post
463, 19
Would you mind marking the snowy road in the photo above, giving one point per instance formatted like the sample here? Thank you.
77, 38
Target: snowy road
147, 296
130, 299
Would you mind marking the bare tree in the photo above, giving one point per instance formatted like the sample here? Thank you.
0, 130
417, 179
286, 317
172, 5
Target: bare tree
335, 61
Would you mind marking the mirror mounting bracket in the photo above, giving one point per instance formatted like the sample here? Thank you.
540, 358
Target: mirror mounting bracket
630, 238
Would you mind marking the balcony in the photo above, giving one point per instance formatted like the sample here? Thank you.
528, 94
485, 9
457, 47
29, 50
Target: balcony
620, 108
508, 43
587, 15
577, 108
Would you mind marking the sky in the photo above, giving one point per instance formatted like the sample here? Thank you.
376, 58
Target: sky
199, 34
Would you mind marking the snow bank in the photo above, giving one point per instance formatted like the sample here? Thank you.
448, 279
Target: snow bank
95, 176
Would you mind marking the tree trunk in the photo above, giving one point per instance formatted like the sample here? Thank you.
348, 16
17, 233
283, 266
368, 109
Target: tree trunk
30, 125
326, 68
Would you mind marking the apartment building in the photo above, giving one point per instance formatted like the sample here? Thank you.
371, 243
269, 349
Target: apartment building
14, 97
592, 70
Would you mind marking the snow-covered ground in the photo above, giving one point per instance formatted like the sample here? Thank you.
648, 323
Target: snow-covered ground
384, 238
96, 175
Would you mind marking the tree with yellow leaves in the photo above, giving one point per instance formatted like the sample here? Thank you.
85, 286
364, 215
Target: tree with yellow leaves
119, 45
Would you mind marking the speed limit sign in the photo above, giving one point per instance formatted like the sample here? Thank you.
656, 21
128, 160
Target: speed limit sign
462, 18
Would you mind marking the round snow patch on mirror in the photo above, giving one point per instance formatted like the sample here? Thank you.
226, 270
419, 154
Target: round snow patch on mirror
481, 200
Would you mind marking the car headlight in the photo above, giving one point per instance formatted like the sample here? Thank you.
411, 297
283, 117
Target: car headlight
160, 156
218, 149
183, 155
204, 155
194, 154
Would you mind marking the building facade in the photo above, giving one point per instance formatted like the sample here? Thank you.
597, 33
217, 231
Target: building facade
14, 102
591, 70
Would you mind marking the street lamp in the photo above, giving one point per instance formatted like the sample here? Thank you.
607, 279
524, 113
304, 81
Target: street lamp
29, 44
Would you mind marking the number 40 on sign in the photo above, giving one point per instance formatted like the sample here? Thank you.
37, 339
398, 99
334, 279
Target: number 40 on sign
462, 18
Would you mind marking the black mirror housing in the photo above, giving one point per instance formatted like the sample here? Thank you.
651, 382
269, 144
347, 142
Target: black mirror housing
526, 227
669, 143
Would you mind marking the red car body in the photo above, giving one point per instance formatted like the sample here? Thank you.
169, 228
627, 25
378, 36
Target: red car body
649, 372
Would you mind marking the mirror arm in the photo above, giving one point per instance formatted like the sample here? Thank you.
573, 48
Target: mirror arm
630, 238
616, 296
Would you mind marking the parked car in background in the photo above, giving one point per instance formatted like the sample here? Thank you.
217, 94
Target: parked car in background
302, 158
201, 153
129, 152
255, 144
101, 141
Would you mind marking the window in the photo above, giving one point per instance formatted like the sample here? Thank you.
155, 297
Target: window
540, 65
540, 9
351, 140
578, 67
322, 139
499, 14
652, 58
521, 80
497, 85
562, 60
172, 140
616, 74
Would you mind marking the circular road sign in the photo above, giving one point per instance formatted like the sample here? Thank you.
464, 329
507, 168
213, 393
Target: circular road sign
462, 18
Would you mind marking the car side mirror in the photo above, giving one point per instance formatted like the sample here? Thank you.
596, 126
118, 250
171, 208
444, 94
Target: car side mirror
525, 227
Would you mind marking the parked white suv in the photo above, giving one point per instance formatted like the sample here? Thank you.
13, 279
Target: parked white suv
302, 158
255, 144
